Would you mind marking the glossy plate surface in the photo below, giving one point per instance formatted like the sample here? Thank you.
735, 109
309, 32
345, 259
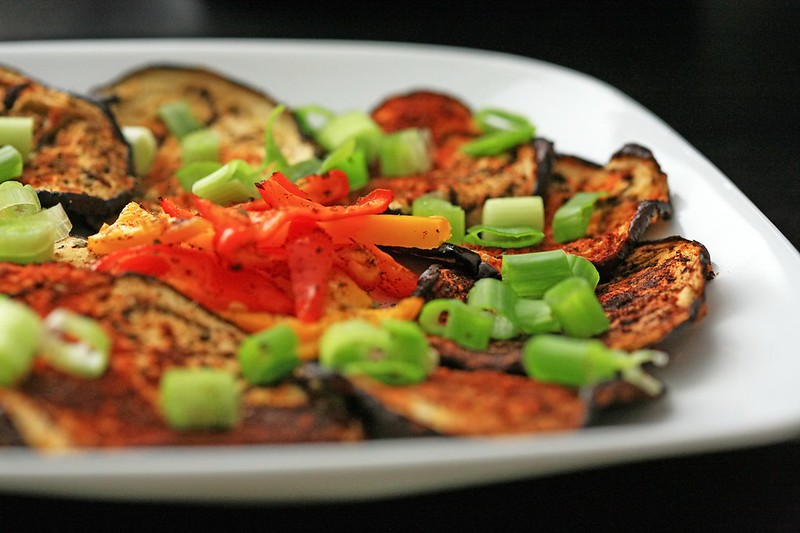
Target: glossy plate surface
732, 379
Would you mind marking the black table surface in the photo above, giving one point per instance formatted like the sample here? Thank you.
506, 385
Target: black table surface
723, 74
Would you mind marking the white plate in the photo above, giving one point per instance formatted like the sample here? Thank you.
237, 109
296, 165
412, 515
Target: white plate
733, 378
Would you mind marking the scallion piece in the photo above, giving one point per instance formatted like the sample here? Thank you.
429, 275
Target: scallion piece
535, 317
143, 147
514, 211
269, 356
17, 200
60, 220
514, 130
356, 125
396, 352
190, 174
583, 362
179, 118
532, 274
233, 182
429, 205
76, 344
468, 326
308, 114
10, 163
273, 157
497, 298
200, 145
199, 399
17, 132
405, 152
20, 331
583, 268
503, 237
349, 159
28, 239
571, 220
576, 307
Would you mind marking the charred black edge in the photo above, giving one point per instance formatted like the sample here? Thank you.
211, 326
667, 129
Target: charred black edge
452, 255
378, 421
545, 159
87, 213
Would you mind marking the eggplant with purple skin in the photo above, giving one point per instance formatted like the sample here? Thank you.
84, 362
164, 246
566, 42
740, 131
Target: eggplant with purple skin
79, 157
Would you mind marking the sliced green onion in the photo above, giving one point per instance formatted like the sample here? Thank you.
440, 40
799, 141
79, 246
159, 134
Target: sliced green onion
514, 211
352, 124
406, 152
143, 147
87, 355
60, 220
497, 142
272, 152
583, 268
582, 362
305, 116
10, 163
576, 307
233, 182
269, 356
200, 145
178, 118
17, 200
349, 159
190, 174
572, 218
396, 352
531, 274
429, 205
20, 331
303, 169
535, 317
486, 118
17, 132
496, 297
515, 130
27, 240
503, 237
199, 399
453, 319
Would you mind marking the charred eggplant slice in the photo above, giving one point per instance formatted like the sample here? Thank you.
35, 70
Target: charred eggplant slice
234, 110
155, 328
483, 402
79, 157
637, 196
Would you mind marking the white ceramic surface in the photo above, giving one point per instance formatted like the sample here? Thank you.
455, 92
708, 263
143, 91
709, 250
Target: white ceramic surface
732, 380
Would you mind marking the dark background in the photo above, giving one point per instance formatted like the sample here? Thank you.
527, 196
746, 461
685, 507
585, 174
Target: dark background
724, 74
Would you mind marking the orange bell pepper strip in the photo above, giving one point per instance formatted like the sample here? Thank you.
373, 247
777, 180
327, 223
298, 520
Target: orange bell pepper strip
327, 189
202, 276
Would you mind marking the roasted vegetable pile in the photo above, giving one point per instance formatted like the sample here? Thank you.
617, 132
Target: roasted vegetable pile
319, 252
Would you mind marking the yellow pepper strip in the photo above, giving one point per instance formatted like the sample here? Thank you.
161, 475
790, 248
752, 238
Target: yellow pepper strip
134, 226
390, 230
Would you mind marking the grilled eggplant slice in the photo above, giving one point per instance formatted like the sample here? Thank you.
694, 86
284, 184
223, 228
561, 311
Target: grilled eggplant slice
462, 179
659, 287
234, 110
468, 404
638, 196
154, 328
79, 156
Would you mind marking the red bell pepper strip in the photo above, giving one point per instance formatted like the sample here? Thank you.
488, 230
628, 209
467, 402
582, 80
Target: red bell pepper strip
202, 276
309, 253
327, 189
374, 270
173, 210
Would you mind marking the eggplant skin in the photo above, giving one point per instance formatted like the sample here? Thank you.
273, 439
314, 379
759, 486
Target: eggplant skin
79, 156
232, 109
153, 328
478, 403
